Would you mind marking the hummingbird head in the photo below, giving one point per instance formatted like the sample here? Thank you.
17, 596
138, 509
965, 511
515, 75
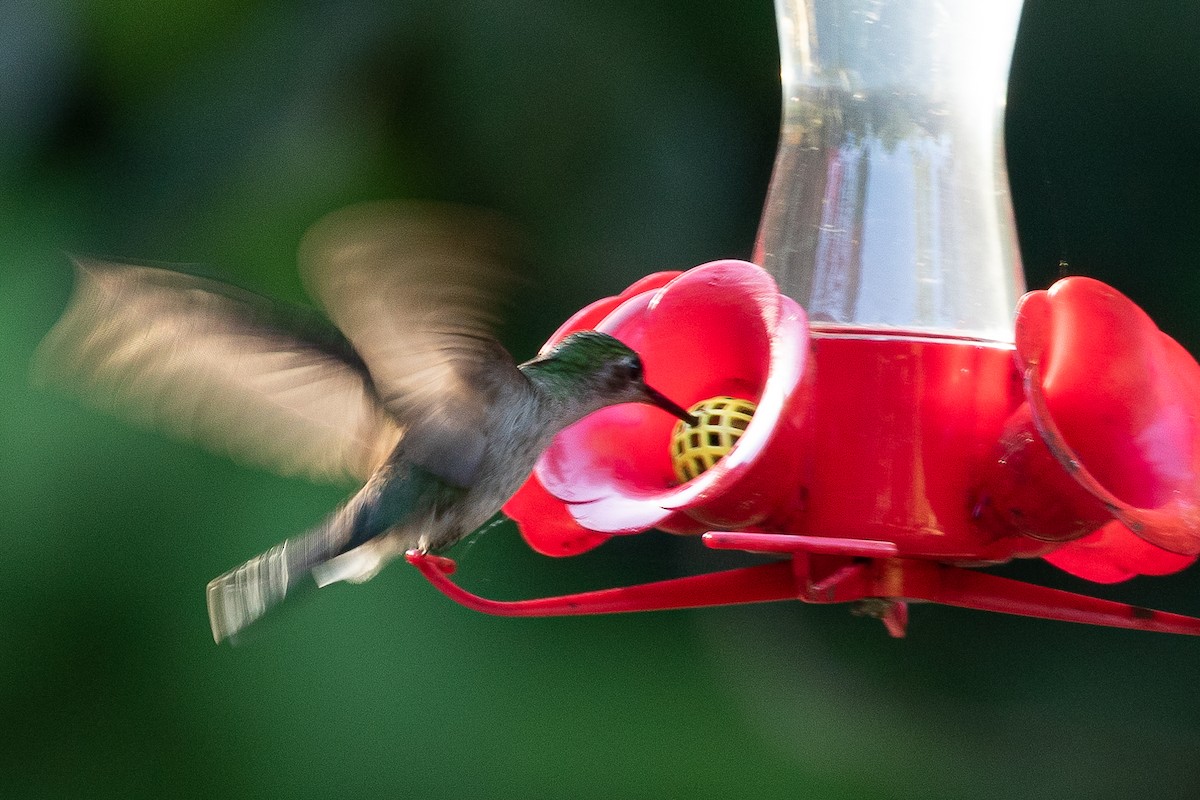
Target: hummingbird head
593, 370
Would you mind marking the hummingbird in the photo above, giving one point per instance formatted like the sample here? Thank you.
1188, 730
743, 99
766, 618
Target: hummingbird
403, 387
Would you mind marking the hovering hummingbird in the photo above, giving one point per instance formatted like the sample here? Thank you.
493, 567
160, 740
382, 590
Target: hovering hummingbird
407, 391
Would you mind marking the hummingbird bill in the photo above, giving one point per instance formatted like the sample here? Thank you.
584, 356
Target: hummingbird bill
400, 386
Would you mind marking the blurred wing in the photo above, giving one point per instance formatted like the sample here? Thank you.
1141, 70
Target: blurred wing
220, 366
414, 288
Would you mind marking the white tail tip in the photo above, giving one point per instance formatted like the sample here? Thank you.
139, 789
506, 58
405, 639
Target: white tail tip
245, 593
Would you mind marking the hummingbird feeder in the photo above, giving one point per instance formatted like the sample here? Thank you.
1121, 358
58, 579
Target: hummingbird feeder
881, 405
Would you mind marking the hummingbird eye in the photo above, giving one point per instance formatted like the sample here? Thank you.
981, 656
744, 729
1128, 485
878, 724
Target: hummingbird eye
633, 369
623, 373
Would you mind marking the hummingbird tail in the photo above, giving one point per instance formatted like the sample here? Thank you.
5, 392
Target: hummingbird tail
245, 593
343, 547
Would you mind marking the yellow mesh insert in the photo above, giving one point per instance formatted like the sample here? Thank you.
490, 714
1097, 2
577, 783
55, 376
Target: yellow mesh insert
722, 422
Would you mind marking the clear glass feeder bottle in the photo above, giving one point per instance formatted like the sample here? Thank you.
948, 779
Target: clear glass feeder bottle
889, 207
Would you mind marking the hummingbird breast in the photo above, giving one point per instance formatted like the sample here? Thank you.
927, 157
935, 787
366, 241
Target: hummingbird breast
514, 434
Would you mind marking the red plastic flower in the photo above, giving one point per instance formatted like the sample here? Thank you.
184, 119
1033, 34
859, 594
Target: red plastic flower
1116, 401
719, 329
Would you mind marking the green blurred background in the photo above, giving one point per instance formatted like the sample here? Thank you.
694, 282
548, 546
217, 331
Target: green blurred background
625, 136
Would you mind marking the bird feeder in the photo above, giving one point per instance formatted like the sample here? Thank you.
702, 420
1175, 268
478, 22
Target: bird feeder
884, 409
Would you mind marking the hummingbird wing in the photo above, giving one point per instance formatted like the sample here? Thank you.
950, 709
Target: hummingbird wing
271, 384
414, 286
